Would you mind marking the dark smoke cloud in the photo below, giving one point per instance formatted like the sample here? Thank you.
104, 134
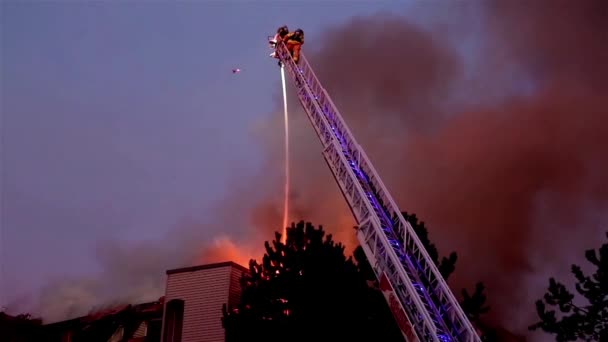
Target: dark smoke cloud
498, 190
554, 41
405, 71
503, 157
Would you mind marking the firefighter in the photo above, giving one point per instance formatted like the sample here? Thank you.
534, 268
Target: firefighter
294, 41
281, 33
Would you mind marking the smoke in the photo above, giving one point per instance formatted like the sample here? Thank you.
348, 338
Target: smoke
128, 274
494, 131
224, 249
134, 272
488, 120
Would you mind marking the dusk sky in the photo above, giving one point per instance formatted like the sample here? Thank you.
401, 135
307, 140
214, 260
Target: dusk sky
129, 147
119, 120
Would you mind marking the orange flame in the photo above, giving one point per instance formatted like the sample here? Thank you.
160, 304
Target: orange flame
224, 249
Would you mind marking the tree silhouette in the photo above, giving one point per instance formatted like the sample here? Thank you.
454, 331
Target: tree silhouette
20, 328
308, 285
588, 322
474, 305
307, 289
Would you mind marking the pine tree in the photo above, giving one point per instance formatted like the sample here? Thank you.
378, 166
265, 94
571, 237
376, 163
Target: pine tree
308, 285
307, 289
588, 322
473, 305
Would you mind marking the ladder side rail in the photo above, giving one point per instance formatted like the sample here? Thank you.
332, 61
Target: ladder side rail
363, 160
338, 125
360, 155
371, 242
376, 254
309, 106
390, 263
388, 224
413, 244
341, 175
372, 197
318, 121
357, 151
335, 118
406, 261
334, 156
453, 309
304, 69
425, 265
441, 288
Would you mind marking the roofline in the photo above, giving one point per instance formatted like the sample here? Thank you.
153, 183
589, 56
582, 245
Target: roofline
208, 266
92, 312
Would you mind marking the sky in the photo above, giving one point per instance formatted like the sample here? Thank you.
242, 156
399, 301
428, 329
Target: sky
120, 120
129, 147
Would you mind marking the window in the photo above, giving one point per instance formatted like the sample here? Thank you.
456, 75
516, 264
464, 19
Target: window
174, 319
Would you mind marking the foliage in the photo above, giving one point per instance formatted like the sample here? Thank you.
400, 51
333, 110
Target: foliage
448, 264
306, 289
308, 285
587, 322
473, 305
20, 328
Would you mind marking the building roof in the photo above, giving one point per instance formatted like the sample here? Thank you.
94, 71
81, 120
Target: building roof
102, 324
208, 266
149, 308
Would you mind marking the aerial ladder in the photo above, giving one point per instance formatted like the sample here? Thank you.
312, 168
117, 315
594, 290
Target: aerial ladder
419, 298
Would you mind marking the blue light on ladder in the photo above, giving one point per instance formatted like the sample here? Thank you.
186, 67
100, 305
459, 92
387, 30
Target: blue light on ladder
342, 140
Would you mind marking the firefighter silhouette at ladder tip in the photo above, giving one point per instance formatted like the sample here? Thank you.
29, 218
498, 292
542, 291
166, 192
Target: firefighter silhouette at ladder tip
293, 41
